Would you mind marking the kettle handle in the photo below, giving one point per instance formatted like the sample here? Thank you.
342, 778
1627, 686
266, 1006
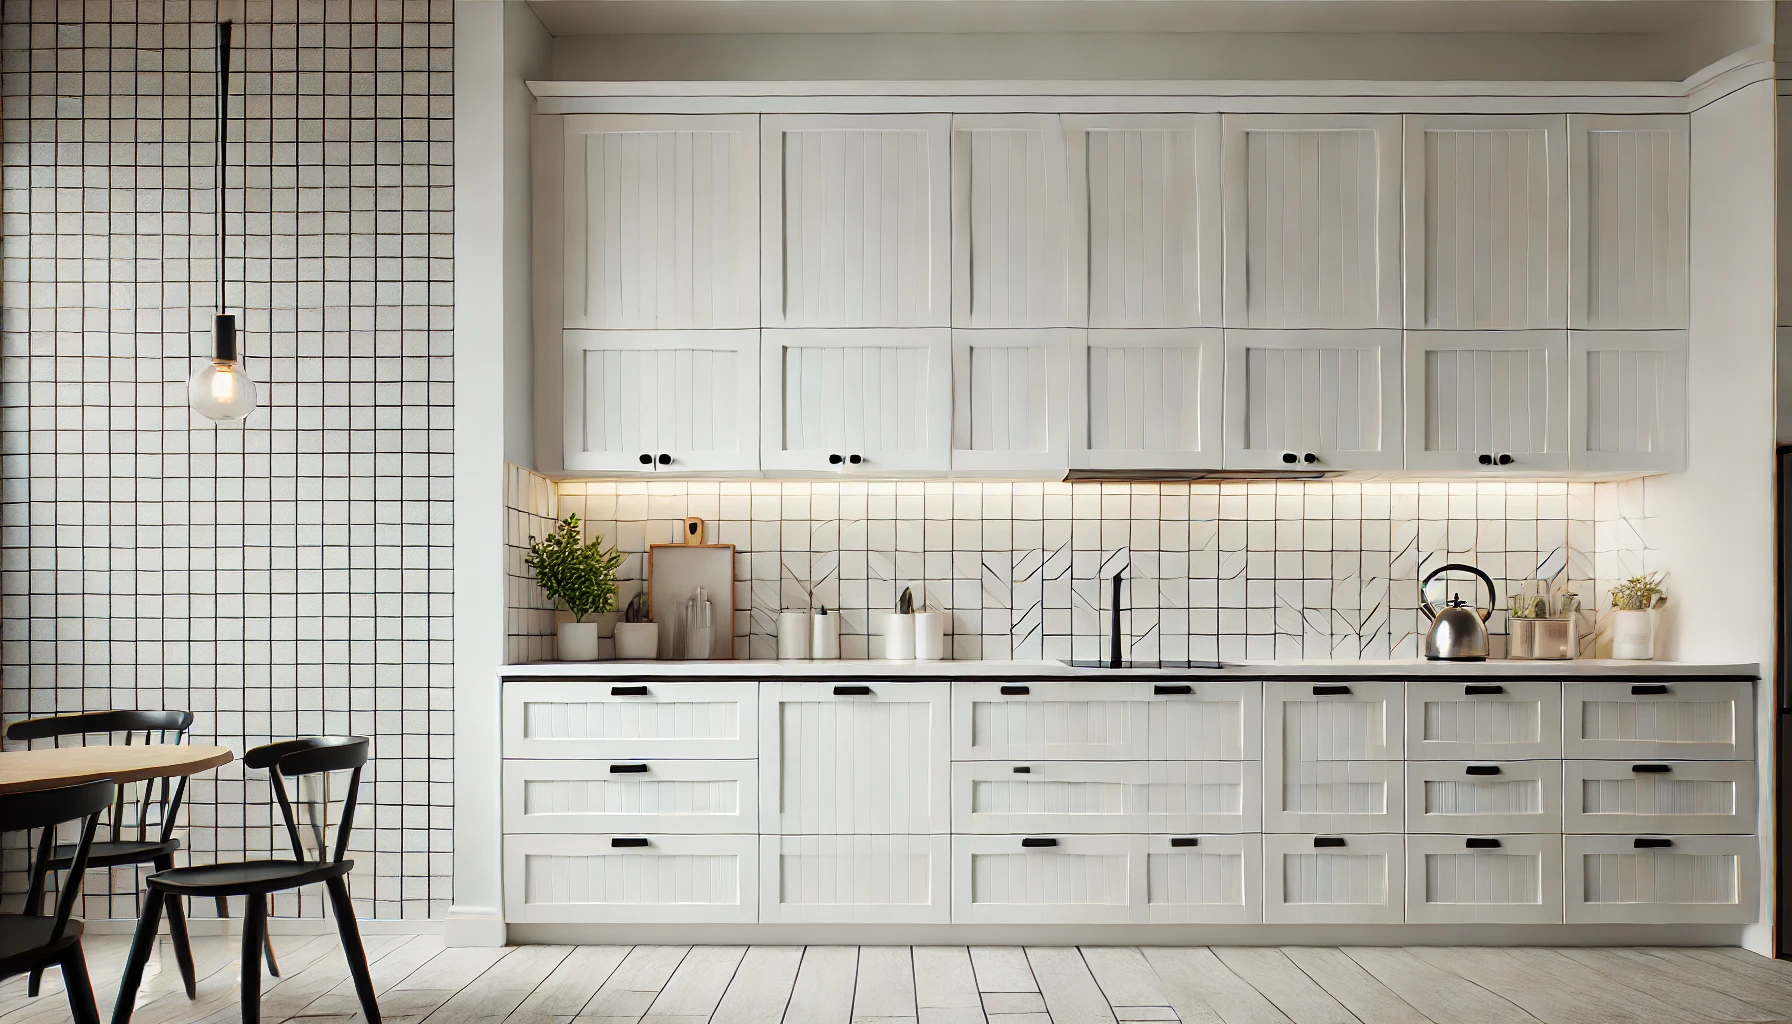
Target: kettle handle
1431, 612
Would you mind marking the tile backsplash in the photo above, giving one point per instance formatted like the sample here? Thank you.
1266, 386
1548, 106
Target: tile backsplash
1230, 570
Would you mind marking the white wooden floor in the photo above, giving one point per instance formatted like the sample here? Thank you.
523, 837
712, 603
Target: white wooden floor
419, 981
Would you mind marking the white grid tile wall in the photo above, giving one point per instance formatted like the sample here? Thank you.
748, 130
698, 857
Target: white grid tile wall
292, 575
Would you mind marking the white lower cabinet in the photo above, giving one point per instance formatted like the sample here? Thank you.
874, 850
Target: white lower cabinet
1058, 879
1354, 721
1661, 879
623, 796
1349, 879
1710, 797
1481, 797
1334, 796
1005, 797
1484, 879
855, 879
631, 879
1659, 721
1058, 720
1500, 721
861, 758
1204, 879
622, 719
1203, 796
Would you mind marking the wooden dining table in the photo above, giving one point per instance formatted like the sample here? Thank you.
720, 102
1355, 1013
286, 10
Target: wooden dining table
23, 771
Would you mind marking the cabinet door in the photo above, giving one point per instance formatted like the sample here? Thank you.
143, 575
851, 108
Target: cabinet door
1204, 720
662, 217
1204, 879
1011, 224
1007, 797
1334, 796
1312, 220
1482, 797
1628, 182
855, 220
631, 879
1047, 721
1661, 879
1047, 879
1486, 221
1660, 721
631, 720
622, 796
1010, 401
1145, 217
1355, 721
860, 401
855, 879
632, 397
1490, 721
1147, 399
854, 758
1505, 879
1627, 395
1320, 400
1203, 796
1348, 879
1712, 797
1491, 402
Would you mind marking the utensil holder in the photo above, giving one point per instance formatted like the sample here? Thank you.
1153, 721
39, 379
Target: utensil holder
930, 635
826, 646
1542, 639
899, 637
794, 636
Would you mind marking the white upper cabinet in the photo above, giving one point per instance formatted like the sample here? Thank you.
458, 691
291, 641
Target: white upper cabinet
662, 401
1486, 222
661, 221
1321, 400
1011, 224
1147, 399
1145, 218
1628, 397
1487, 401
1312, 220
855, 220
1010, 401
1628, 181
856, 401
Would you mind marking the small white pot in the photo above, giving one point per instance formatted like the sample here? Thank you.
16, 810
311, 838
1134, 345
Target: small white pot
638, 641
606, 623
1633, 635
578, 641
930, 636
899, 637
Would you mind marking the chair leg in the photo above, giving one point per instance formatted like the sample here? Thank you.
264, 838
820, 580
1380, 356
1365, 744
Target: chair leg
34, 984
141, 945
267, 953
79, 986
352, 949
255, 929
177, 931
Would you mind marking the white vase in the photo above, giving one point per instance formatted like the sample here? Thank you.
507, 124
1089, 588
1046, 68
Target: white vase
637, 641
578, 641
1633, 635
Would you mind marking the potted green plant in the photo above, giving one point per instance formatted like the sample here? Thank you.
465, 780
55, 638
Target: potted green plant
581, 576
1633, 618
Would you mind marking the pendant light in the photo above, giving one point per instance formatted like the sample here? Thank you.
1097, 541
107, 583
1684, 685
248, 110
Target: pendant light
219, 389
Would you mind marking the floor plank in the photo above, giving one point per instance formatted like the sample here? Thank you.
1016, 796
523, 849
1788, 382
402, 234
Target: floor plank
503, 986
824, 986
1299, 997
1440, 995
1201, 988
417, 995
696, 986
1069, 989
761, 987
1002, 969
635, 984
1352, 986
1132, 988
574, 980
1762, 991
1538, 990
1667, 986
886, 985
340, 1005
164, 1001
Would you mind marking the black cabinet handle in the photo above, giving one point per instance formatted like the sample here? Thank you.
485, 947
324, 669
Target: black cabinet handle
835, 460
1320, 842
1184, 841
1651, 769
855, 459
665, 460
1309, 458
646, 459
1652, 844
1016, 691
1481, 690
1172, 690
1035, 841
628, 691
1331, 691
1479, 843
1485, 460
1483, 769
1021, 769
852, 691
1290, 458
1504, 460
628, 841
627, 769
1649, 690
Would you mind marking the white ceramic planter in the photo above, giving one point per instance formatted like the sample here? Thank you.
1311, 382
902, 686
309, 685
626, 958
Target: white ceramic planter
578, 641
637, 641
1633, 635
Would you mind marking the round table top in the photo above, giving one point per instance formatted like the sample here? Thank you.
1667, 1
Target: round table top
24, 771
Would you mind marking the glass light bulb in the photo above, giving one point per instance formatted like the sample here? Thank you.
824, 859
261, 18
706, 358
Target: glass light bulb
220, 390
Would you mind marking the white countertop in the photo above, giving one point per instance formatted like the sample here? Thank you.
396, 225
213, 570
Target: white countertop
1586, 668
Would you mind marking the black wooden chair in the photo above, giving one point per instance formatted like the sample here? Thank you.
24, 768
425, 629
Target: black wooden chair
310, 756
31, 942
121, 847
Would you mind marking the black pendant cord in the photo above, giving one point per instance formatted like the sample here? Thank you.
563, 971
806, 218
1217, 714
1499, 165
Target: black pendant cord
224, 325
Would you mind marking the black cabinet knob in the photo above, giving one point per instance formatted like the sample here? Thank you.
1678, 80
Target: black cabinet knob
855, 459
835, 460
646, 459
1309, 458
1505, 460
665, 460
1485, 460
1290, 457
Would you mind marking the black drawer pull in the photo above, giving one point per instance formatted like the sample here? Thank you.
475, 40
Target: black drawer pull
1649, 690
1033, 841
1331, 691
1478, 843
1652, 844
1482, 690
628, 691
1651, 769
1320, 842
1021, 769
628, 841
627, 769
1483, 769
1016, 691
1172, 690
852, 691
1185, 841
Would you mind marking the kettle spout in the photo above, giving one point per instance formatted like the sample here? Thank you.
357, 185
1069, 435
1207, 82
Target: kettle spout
1430, 612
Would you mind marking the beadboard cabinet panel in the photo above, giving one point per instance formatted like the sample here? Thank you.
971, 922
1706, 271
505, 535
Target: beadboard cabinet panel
699, 797
1203, 796
1207, 720
1486, 221
856, 401
1493, 402
1483, 797
1072, 879
589, 719
1630, 196
1333, 796
692, 396
1503, 879
1355, 721
1060, 721
1322, 400
631, 879
1501, 721
1703, 719
662, 219
1145, 218
1010, 797
1011, 224
1348, 879
1615, 797
1011, 399
1627, 393
855, 220
855, 879
1312, 220
1660, 879
1147, 399
1204, 879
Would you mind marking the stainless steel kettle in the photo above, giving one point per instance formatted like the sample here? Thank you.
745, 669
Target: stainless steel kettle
1458, 630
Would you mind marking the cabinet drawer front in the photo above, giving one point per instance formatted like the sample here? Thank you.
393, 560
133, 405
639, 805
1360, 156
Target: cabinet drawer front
1307, 881
617, 720
1481, 797
619, 796
588, 878
1705, 720
1334, 721
1450, 881
854, 763
1215, 722
1204, 879
1077, 880
855, 879
1608, 797
1697, 880
1203, 796
1007, 797
1452, 721
1059, 721
1334, 796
